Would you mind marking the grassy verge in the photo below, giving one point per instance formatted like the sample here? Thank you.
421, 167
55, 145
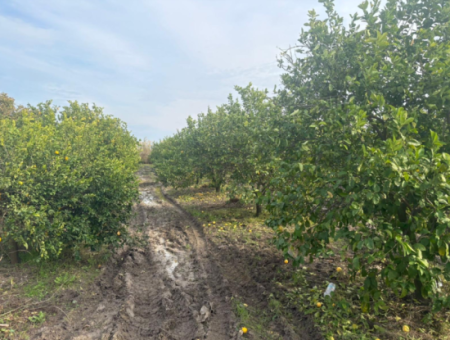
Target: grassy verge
33, 295
301, 290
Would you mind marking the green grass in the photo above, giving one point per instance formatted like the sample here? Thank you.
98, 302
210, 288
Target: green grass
254, 320
60, 274
32, 284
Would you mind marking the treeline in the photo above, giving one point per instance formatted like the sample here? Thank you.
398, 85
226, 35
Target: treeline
354, 146
67, 179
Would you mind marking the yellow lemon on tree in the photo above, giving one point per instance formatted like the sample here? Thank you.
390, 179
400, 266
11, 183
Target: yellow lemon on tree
118, 233
405, 328
280, 229
250, 231
0, 239
66, 158
56, 152
244, 330
442, 251
319, 304
286, 261
20, 183
338, 269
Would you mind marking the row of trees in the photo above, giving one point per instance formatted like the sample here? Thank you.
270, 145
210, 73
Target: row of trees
354, 146
67, 179
231, 146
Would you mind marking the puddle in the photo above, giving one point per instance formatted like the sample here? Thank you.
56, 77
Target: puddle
176, 264
170, 260
146, 198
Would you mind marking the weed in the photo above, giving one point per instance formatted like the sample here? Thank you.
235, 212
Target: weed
65, 279
39, 290
275, 306
37, 319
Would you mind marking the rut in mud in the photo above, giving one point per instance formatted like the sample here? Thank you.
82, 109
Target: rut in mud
170, 289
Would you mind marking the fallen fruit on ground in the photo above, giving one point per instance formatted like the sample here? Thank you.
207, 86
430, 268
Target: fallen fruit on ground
244, 330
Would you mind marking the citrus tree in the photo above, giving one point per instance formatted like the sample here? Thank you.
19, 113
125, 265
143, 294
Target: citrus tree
171, 163
202, 149
370, 163
251, 138
67, 179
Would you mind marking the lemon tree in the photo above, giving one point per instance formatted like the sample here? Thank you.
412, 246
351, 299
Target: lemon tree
172, 163
251, 138
67, 179
371, 165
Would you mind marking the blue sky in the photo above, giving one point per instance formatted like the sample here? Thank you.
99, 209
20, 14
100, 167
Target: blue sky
151, 63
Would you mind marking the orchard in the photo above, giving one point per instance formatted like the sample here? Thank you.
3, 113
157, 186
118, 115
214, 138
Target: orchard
353, 148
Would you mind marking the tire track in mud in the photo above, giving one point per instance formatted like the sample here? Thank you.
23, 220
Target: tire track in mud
241, 283
169, 290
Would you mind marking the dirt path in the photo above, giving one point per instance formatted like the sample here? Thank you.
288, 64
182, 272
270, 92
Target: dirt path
170, 289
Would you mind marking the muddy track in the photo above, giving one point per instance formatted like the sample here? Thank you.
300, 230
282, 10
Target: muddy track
169, 289
254, 287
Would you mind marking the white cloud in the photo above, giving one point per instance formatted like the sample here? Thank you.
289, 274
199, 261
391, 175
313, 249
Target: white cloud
21, 33
152, 63
81, 28
229, 35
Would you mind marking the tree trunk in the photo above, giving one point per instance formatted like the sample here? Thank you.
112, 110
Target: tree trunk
406, 229
217, 186
258, 209
14, 252
418, 292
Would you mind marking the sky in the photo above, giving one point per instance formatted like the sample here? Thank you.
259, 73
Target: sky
152, 63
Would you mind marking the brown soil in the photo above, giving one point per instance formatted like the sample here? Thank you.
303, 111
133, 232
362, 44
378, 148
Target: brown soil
179, 286
251, 275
